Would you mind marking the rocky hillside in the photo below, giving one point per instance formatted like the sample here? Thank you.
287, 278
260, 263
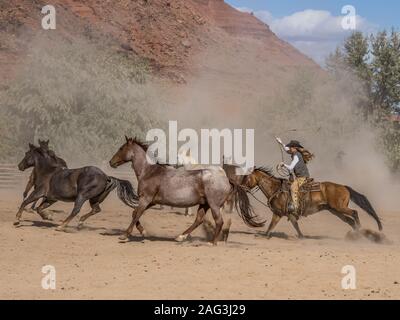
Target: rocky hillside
168, 33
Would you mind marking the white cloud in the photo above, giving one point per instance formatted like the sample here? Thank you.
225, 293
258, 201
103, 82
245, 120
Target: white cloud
316, 33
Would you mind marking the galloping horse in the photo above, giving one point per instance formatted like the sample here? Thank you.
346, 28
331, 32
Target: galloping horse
177, 187
54, 183
330, 196
44, 144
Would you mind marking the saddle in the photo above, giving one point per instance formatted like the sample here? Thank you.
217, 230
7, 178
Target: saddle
310, 186
304, 192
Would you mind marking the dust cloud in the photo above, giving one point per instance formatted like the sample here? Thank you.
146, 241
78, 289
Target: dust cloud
306, 104
85, 96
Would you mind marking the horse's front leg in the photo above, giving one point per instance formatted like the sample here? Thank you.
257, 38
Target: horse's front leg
274, 221
34, 196
30, 184
296, 226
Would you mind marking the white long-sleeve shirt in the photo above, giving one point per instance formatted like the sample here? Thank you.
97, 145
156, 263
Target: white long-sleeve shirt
295, 159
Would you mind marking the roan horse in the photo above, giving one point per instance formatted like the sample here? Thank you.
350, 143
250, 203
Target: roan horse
331, 196
177, 187
54, 183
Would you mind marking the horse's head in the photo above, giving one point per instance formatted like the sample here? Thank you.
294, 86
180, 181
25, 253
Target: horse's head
44, 144
124, 154
29, 160
250, 180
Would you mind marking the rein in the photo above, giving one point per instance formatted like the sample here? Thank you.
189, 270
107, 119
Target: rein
271, 198
263, 203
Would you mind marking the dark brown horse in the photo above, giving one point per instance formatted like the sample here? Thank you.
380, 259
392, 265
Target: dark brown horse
330, 196
177, 187
43, 144
54, 183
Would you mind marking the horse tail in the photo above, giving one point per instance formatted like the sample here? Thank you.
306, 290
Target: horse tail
125, 191
243, 206
362, 201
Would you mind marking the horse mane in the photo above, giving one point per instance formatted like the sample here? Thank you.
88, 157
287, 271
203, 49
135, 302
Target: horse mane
39, 150
268, 171
140, 143
49, 153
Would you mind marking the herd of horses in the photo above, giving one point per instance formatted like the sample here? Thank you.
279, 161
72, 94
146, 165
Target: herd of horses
209, 188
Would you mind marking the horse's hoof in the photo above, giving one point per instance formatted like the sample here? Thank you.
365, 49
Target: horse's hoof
353, 235
60, 228
48, 218
211, 244
123, 237
16, 222
144, 234
79, 226
181, 238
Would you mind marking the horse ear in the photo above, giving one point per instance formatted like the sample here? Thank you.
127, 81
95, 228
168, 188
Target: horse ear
126, 138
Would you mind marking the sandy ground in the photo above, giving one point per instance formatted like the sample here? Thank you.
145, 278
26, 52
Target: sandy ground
93, 264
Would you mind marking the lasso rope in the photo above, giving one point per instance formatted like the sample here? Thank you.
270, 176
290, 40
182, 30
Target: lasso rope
282, 171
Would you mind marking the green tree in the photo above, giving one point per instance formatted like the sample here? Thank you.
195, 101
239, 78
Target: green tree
375, 61
385, 68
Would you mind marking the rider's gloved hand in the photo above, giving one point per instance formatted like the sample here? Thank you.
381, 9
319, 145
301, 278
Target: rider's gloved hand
279, 140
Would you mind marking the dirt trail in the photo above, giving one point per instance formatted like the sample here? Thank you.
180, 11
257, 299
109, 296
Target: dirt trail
93, 264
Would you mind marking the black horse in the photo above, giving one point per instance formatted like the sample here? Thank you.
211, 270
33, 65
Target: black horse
54, 183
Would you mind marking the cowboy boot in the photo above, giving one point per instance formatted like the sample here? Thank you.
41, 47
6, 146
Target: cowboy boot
292, 211
291, 208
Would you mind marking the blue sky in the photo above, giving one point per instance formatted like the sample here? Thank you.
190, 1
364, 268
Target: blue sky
314, 26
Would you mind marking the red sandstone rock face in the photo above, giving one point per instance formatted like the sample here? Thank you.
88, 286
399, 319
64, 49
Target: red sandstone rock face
166, 32
233, 21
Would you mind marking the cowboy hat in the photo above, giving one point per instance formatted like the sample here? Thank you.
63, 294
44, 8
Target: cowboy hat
294, 144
